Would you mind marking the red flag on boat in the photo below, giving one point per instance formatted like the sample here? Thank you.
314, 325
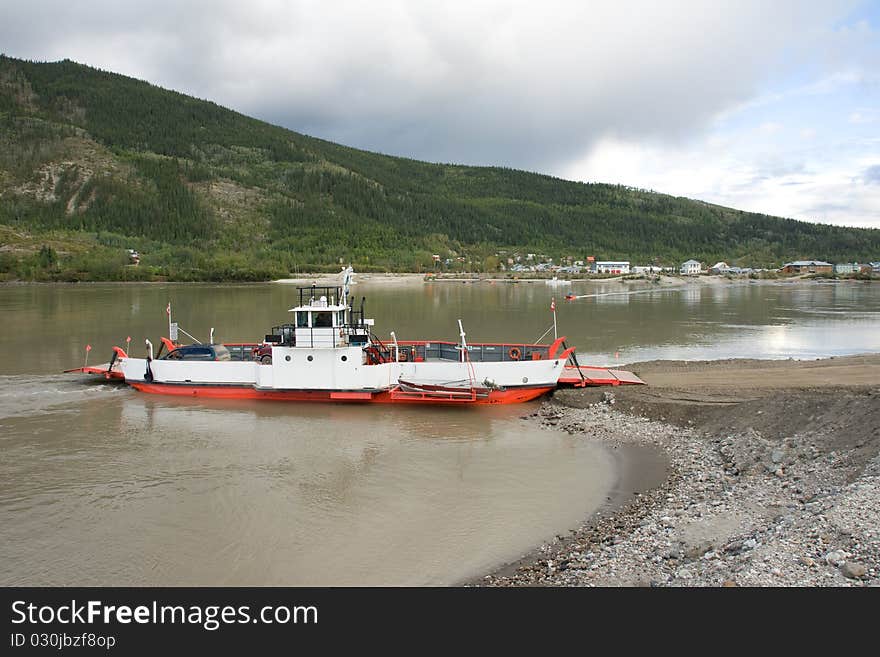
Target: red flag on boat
553, 305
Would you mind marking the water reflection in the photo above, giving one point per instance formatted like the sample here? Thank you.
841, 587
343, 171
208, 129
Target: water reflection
692, 295
125, 488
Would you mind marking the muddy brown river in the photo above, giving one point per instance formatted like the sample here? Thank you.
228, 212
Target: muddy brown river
101, 485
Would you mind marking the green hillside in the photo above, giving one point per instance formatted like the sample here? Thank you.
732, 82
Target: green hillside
93, 163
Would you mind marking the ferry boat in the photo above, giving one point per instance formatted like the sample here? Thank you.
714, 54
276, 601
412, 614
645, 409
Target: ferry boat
330, 353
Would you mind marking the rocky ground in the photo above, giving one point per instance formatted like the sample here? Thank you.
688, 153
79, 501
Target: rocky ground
772, 486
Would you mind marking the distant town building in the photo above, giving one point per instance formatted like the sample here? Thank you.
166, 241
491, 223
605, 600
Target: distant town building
875, 267
610, 267
853, 268
690, 268
646, 269
719, 268
807, 267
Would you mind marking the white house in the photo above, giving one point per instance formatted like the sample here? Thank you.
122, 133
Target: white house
719, 268
848, 268
610, 267
690, 268
646, 269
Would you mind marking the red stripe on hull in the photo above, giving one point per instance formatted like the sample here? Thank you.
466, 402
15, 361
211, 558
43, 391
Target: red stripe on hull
511, 396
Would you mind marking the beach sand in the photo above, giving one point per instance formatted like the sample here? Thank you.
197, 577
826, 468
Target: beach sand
773, 478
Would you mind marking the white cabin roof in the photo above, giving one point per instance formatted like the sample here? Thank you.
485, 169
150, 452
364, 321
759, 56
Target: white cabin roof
319, 304
318, 307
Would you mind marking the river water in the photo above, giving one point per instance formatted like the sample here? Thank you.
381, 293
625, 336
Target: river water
101, 485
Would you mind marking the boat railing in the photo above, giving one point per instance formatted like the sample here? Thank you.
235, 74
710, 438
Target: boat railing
413, 351
241, 350
312, 294
478, 353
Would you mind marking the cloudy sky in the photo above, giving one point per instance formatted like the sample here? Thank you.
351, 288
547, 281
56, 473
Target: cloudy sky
772, 105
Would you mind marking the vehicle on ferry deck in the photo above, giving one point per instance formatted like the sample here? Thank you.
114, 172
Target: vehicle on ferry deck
199, 352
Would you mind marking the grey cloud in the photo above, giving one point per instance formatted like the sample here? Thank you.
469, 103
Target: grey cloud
871, 175
523, 84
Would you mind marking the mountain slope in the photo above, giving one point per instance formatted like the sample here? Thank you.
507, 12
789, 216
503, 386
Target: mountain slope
93, 162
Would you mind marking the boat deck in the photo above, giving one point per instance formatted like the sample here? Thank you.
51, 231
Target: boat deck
104, 369
573, 376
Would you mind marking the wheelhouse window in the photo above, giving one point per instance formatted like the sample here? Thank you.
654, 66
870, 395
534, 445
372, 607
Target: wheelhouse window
302, 319
323, 320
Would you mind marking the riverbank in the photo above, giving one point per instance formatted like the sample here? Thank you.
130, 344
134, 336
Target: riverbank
567, 285
366, 277
410, 278
773, 478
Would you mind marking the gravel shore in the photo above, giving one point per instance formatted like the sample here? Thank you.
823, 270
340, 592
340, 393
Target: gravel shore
775, 487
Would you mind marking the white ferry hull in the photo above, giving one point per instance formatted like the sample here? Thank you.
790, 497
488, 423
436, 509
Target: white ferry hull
339, 374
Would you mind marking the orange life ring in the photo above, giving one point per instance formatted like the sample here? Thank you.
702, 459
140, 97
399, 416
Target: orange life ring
514, 353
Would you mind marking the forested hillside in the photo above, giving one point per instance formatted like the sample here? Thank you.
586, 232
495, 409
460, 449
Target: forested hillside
93, 163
